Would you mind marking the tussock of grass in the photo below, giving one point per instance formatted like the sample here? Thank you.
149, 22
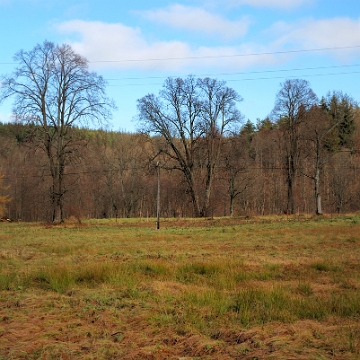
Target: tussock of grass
304, 288
325, 266
61, 278
7, 280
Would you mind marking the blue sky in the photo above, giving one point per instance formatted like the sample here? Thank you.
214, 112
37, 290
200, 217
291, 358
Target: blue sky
253, 45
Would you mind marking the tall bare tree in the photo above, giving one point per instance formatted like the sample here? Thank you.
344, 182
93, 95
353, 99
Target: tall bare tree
293, 100
192, 115
327, 129
317, 135
54, 89
235, 160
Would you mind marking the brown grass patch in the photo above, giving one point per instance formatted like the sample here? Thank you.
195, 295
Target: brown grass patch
245, 288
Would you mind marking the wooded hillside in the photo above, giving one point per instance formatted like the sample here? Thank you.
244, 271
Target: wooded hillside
113, 174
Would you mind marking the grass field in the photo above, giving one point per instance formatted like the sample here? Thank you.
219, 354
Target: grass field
242, 288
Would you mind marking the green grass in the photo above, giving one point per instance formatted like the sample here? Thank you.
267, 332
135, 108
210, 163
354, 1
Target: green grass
215, 289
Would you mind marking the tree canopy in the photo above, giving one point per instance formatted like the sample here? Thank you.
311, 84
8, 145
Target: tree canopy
192, 115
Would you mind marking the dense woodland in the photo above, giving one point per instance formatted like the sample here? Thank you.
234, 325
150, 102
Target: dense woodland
113, 174
192, 148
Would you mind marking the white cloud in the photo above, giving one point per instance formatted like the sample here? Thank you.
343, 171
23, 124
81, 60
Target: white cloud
119, 46
326, 33
123, 47
198, 20
279, 4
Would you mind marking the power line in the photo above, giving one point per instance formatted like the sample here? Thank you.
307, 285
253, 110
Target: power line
17, 172
220, 56
240, 73
293, 76
249, 79
229, 56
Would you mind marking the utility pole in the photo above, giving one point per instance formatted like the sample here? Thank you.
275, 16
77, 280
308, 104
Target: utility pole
158, 198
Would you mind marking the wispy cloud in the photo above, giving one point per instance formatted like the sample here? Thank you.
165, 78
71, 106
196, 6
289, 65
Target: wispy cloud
118, 46
123, 47
325, 33
277, 4
197, 19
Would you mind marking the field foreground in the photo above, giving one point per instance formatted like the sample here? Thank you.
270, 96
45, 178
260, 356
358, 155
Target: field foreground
254, 288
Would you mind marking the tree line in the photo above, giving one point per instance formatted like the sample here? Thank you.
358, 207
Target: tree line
303, 158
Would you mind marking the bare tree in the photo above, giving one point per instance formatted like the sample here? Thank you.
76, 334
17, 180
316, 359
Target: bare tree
235, 160
192, 115
327, 129
54, 89
317, 137
292, 101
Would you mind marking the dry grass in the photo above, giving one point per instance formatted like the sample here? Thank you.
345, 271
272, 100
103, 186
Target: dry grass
245, 288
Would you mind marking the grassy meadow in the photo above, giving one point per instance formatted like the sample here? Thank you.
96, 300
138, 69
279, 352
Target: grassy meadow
242, 288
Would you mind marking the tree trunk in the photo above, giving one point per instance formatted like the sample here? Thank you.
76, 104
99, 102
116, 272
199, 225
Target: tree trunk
317, 192
290, 195
57, 205
209, 179
193, 195
290, 179
231, 206
194, 200
232, 196
57, 171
